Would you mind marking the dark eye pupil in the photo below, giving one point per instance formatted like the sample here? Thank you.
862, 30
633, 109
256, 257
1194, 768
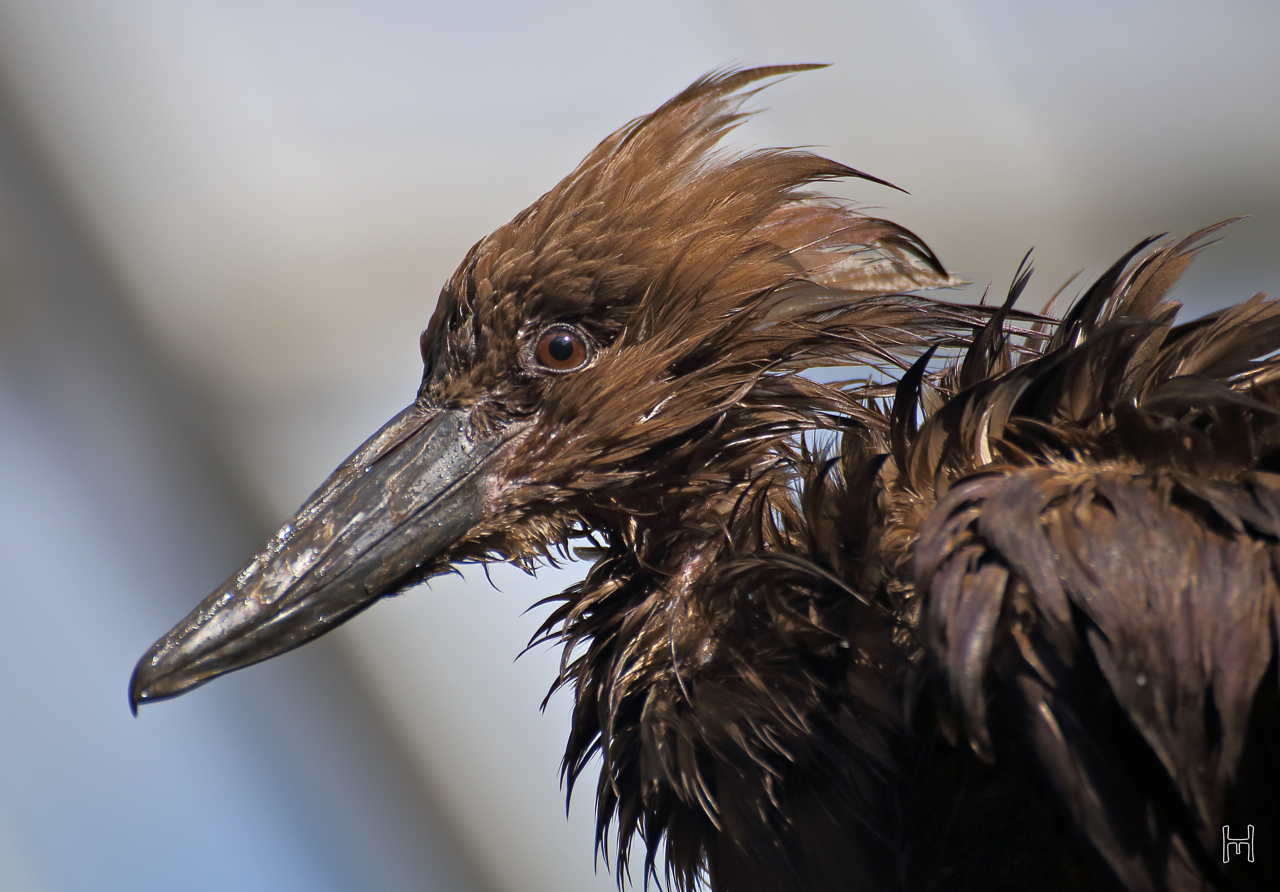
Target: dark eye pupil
560, 347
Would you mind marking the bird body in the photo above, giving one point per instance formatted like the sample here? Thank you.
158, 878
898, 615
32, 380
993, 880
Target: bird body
1016, 634
1100, 592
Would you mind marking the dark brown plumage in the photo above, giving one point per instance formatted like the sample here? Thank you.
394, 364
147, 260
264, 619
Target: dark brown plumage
1099, 572
1017, 634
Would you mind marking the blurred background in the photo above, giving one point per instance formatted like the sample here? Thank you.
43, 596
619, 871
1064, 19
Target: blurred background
223, 224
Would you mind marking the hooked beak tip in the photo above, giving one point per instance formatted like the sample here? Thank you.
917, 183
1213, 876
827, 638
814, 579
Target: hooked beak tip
156, 679
140, 685
137, 690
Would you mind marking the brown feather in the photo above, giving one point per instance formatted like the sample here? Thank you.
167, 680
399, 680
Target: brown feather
1101, 593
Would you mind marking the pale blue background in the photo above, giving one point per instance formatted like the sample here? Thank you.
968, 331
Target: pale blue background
222, 226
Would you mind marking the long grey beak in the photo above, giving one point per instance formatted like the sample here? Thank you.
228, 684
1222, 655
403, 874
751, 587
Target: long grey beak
380, 523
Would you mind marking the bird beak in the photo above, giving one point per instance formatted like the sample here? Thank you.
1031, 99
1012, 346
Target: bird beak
381, 522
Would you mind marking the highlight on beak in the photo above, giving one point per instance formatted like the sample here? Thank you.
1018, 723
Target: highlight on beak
379, 524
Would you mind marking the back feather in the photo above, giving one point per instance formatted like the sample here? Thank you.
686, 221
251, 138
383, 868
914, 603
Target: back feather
1098, 576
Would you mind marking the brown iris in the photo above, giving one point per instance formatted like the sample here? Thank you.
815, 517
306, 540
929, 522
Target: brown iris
561, 349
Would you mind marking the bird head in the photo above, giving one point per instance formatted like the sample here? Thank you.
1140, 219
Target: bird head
624, 352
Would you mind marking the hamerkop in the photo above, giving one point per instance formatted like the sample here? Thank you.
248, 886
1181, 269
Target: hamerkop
1018, 631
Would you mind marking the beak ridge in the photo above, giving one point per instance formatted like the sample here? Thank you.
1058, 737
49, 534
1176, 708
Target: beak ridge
380, 523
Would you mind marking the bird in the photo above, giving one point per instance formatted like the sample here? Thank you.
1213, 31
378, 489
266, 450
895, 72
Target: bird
1013, 628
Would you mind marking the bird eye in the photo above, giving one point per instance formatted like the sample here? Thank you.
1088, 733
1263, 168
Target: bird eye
561, 349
